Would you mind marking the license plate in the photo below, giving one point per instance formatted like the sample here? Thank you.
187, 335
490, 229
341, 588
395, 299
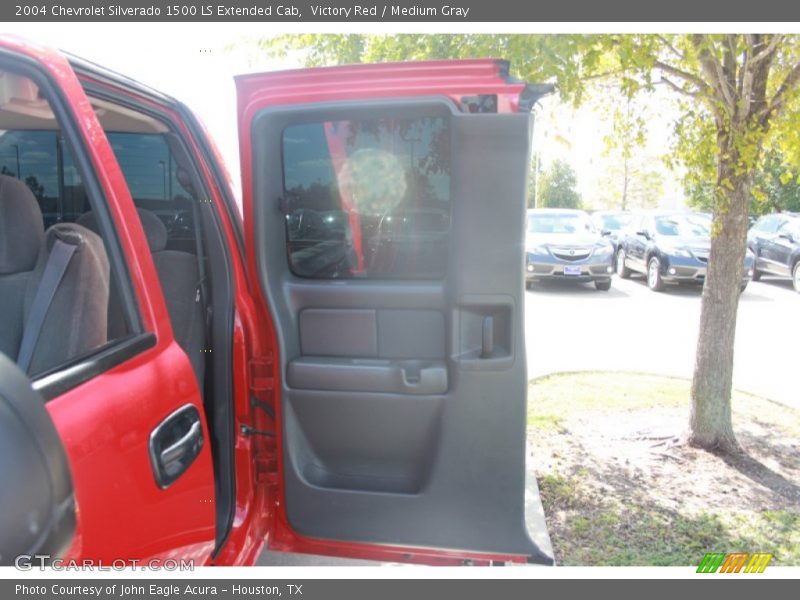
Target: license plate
572, 270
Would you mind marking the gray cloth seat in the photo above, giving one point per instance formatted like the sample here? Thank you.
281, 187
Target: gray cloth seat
178, 274
75, 320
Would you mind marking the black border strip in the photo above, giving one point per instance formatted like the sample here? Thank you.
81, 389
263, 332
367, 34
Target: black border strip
67, 376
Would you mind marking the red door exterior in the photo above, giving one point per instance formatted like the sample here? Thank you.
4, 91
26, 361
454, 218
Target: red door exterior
105, 422
463, 82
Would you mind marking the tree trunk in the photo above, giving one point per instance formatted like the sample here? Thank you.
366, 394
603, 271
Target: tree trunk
710, 424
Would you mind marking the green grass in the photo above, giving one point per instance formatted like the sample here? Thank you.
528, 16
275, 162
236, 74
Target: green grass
598, 521
635, 533
555, 398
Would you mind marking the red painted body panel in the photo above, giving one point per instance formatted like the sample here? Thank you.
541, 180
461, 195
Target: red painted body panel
105, 423
452, 79
248, 532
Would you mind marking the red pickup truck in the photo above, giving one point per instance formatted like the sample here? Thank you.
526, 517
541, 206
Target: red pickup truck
337, 368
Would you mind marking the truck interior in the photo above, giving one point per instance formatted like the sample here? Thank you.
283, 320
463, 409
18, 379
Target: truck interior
45, 204
396, 318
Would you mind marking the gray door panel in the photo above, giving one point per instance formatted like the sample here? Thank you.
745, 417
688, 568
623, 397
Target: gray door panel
403, 403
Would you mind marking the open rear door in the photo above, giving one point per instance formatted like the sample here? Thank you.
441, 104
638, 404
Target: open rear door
384, 209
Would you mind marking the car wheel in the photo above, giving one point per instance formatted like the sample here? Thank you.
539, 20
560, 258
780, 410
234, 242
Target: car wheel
528, 285
603, 285
622, 271
796, 276
654, 280
743, 287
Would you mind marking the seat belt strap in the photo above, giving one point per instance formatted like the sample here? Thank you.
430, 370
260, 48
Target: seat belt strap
57, 263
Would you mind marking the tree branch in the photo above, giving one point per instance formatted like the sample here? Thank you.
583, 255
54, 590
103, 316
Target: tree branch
685, 75
756, 68
744, 86
602, 75
768, 50
729, 70
776, 104
671, 47
679, 89
713, 71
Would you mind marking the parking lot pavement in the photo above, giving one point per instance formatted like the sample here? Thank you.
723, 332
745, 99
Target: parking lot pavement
573, 327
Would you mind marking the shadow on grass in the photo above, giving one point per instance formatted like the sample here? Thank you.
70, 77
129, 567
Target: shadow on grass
604, 514
760, 473
786, 455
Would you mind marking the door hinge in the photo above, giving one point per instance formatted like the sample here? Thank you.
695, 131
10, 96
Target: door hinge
260, 374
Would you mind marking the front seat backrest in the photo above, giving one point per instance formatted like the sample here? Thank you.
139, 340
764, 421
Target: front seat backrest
74, 321
21, 237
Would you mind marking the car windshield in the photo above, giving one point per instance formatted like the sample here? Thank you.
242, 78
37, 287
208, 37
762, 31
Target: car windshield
558, 223
684, 225
612, 222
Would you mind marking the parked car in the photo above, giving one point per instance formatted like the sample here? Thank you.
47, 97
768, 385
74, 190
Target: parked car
670, 247
312, 375
564, 244
775, 242
611, 223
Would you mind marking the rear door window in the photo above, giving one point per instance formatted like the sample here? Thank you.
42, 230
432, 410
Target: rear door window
368, 199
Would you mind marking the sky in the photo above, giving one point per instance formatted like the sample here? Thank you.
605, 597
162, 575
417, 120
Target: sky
196, 63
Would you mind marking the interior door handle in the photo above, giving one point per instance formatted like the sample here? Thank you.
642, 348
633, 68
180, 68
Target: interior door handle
487, 337
175, 443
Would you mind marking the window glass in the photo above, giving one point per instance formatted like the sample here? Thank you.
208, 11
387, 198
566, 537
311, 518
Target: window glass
368, 198
769, 224
792, 227
547, 222
84, 312
762, 224
684, 226
612, 221
40, 159
148, 166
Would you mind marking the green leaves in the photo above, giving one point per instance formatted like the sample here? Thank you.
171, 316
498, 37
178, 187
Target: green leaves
557, 187
738, 93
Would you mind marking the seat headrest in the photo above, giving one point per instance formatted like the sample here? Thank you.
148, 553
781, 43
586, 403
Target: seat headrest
154, 229
21, 226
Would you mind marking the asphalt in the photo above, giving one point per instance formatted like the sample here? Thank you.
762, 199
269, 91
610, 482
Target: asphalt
573, 327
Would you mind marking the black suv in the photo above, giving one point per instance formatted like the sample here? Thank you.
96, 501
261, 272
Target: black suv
612, 224
775, 241
669, 247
